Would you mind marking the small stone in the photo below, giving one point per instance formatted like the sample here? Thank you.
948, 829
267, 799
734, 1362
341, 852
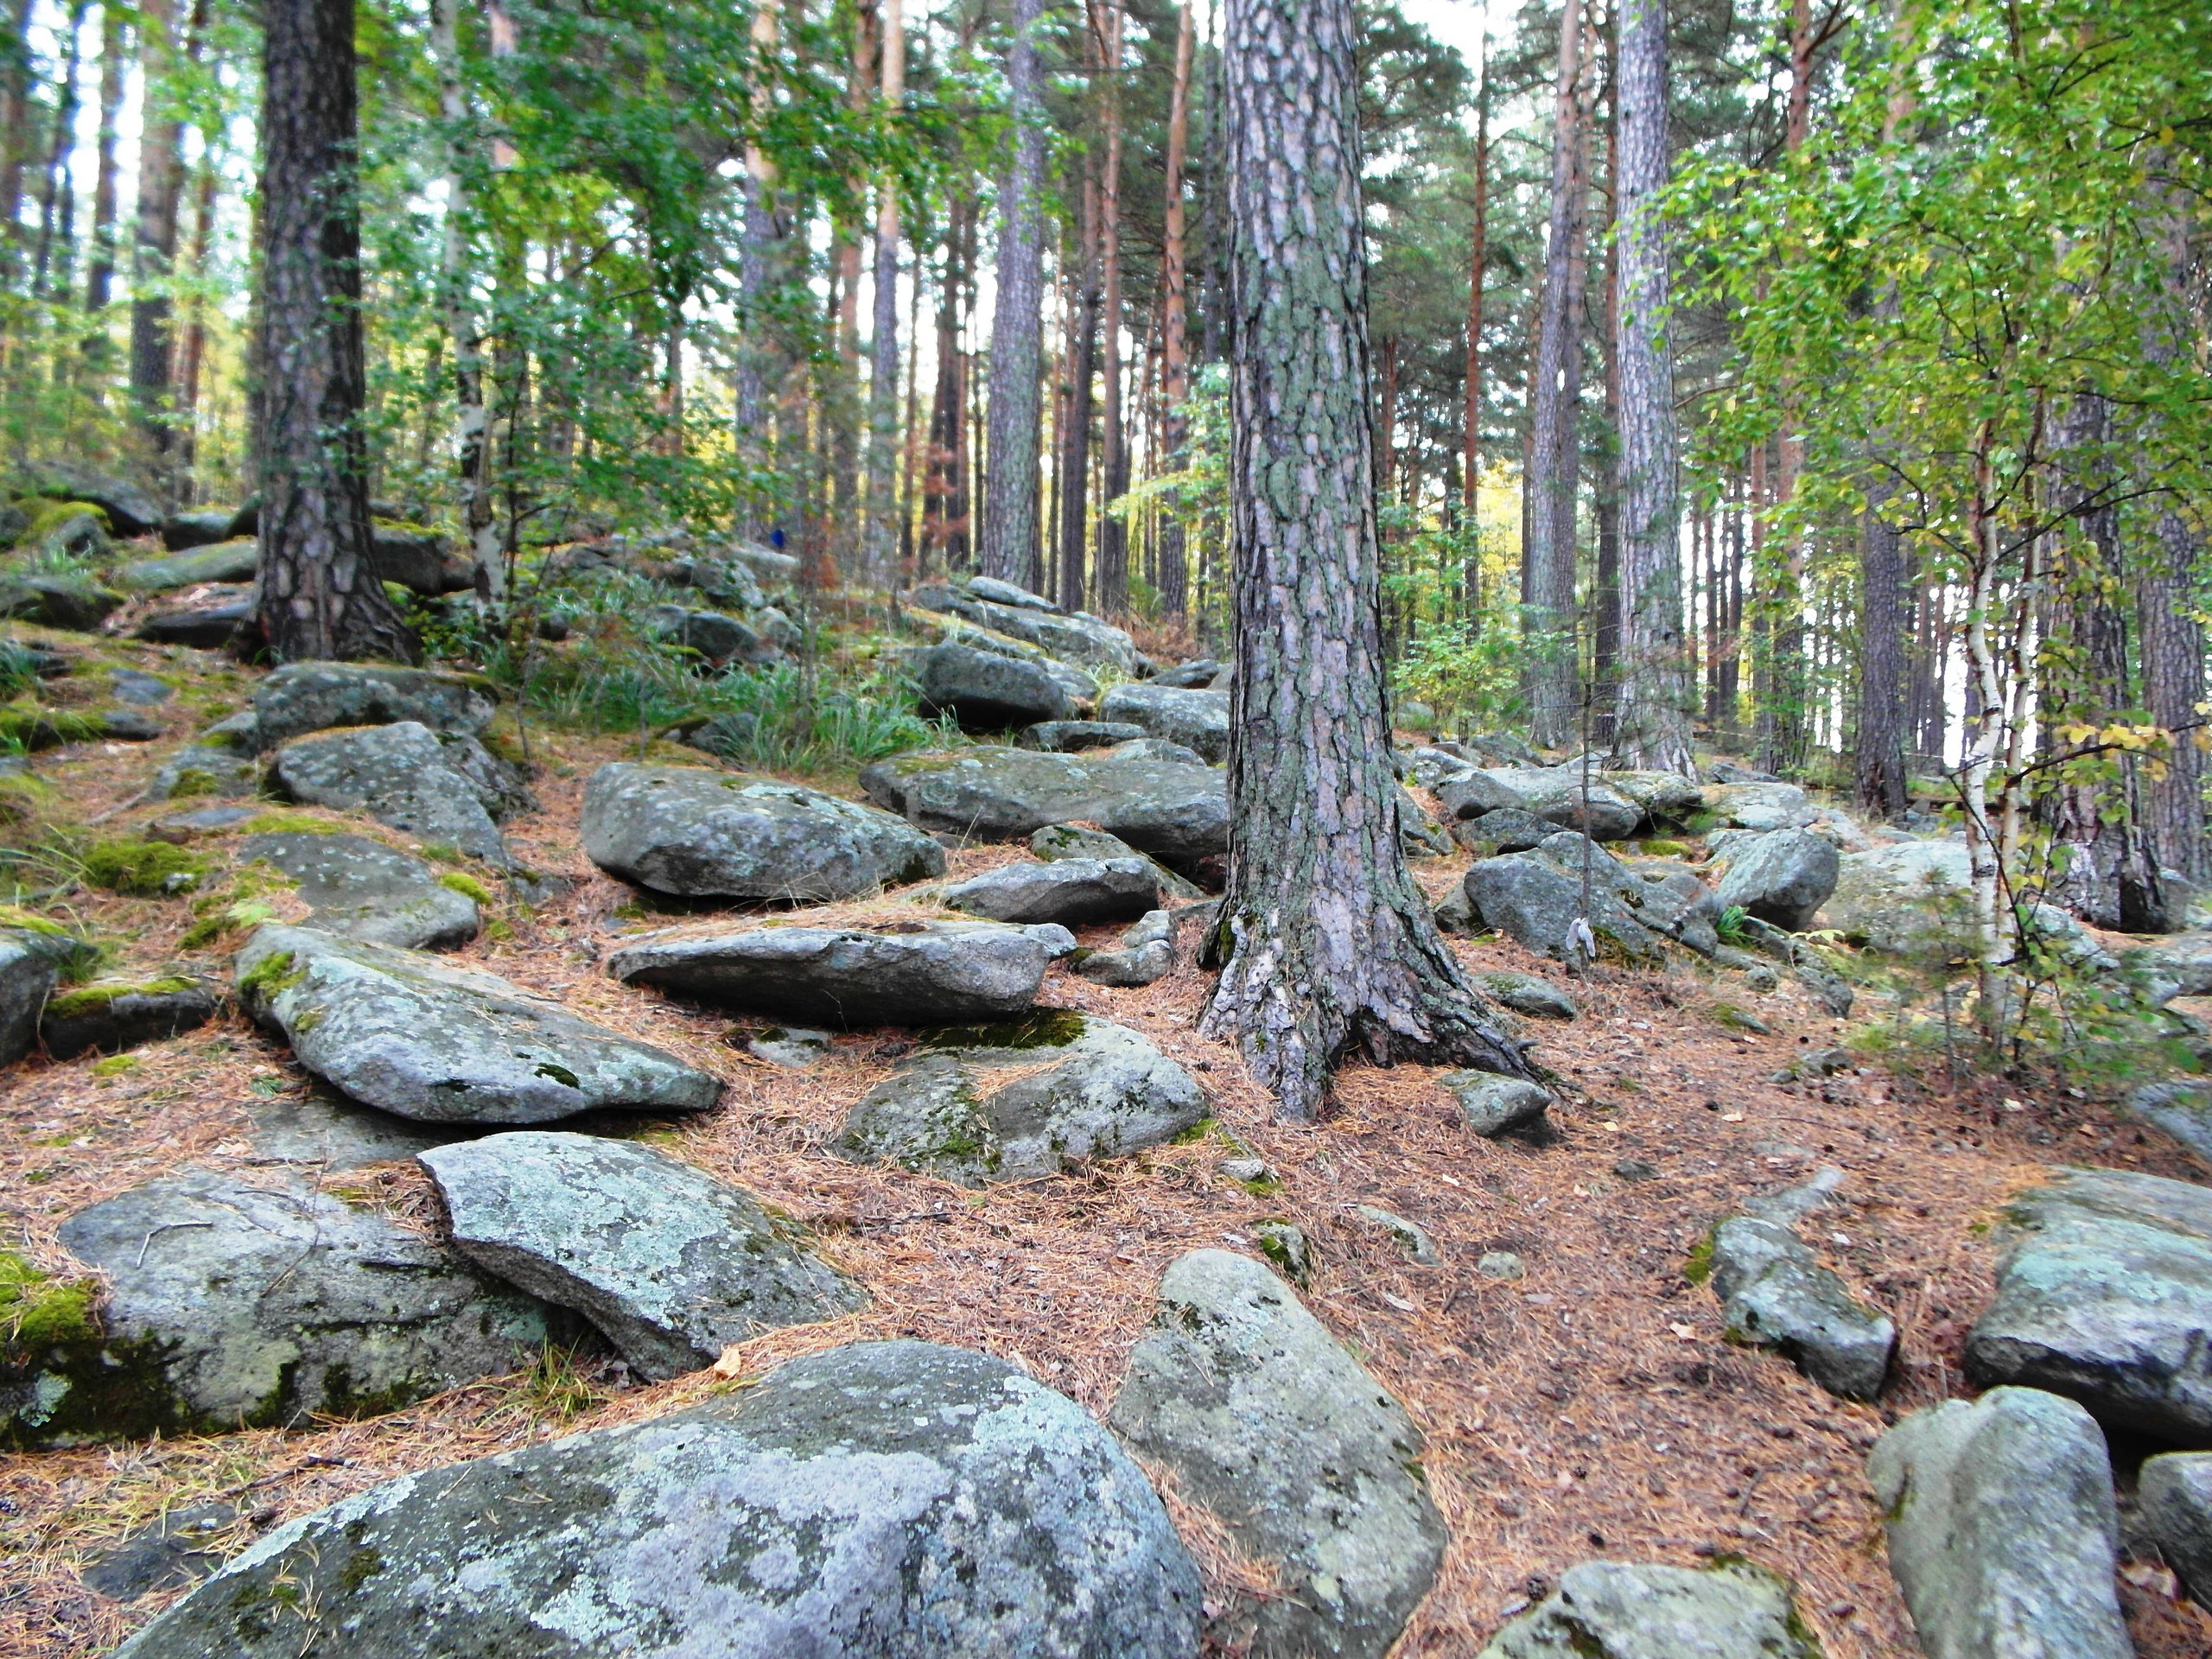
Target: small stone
1636, 1169
1412, 1239
795, 1047
1621, 1610
1285, 1244
1501, 1264
1246, 1169
1526, 994
1075, 892
1128, 969
1492, 1105
2174, 1497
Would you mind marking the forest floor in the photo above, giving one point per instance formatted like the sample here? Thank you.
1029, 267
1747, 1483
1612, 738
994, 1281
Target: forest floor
1590, 1409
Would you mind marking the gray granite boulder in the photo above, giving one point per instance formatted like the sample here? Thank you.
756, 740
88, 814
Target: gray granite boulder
1774, 1293
1509, 830
907, 973
416, 1035
1059, 841
1018, 1100
1073, 637
1470, 794
2003, 1529
358, 888
1197, 719
231, 1304
215, 619
302, 698
77, 603
1073, 736
1526, 994
1492, 1106
878, 1501
2174, 1502
1782, 877
1198, 672
1144, 955
1626, 1610
225, 562
1173, 811
1306, 1461
699, 833
200, 527
1075, 892
1760, 804
111, 1015
987, 692
128, 509
2182, 1110
1910, 898
2104, 1293
27, 977
717, 638
672, 1265
1530, 899
442, 790
1556, 794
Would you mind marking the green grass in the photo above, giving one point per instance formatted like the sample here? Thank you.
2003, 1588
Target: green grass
144, 869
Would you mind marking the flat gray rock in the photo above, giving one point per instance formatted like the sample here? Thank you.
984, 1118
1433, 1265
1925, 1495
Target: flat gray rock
1059, 841
1527, 994
1197, 719
1911, 897
405, 776
1509, 830
302, 698
1760, 804
1466, 792
1560, 796
26, 976
2102, 1295
717, 638
907, 973
1492, 1106
415, 1035
1073, 637
216, 618
671, 1265
1782, 877
1129, 967
231, 561
1307, 1462
2174, 1500
1073, 736
985, 692
1774, 1293
1174, 811
1625, 1609
1074, 891
231, 1304
358, 888
878, 1501
2182, 1110
700, 833
1027, 1099
1530, 899
110, 1016
327, 1132
2002, 1528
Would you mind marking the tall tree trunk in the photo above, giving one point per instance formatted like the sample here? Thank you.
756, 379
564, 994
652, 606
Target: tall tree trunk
1551, 477
944, 484
193, 352
57, 205
1080, 358
1174, 321
1879, 739
1010, 505
882, 542
160, 184
1113, 584
1657, 695
1330, 944
472, 435
319, 595
99, 274
1471, 423
2172, 644
18, 136
751, 400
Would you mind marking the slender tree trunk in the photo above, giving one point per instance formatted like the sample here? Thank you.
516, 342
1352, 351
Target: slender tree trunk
17, 137
1113, 584
944, 487
57, 206
1656, 694
1010, 478
1331, 946
1879, 739
2172, 644
1471, 424
1174, 322
881, 545
319, 595
193, 350
1551, 477
474, 451
99, 275
1079, 354
751, 392
160, 184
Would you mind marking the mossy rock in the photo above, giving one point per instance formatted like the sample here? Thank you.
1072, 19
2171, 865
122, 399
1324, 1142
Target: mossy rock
143, 869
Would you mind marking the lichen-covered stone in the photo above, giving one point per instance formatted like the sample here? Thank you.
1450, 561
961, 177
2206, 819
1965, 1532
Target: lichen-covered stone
1626, 1610
226, 562
1775, 1293
26, 976
1308, 1463
1782, 877
2174, 1500
1198, 720
697, 832
358, 888
671, 1264
414, 1035
1074, 891
302, 698
879, 1500
988, 692
444, 792
114, 1016
1492, 1106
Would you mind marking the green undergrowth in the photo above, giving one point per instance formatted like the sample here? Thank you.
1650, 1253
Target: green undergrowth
38, 1311
143, 869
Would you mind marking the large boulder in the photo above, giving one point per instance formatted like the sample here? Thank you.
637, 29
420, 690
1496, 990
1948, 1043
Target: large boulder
1761, 805
1626, 1610
1774, 1293
2103, 1294
215, 619
197, 527
1174, 811
302, 698
130, 510
1782, 877
1532, 899
906, 973
443, 790
717, 638
1073, 637
1908, 898
1073, 736
2174, 1499
1059, 841
1197, 719
1074, 891
988, 692
77, 603
1310, 1467
878, 1501
225, 562
699, 833
1029, 1098
2002, 1528
670, 1263
357, 888
2182, 1110
1468, 793
232, 1305
1562, 796
27, 974
415, 1035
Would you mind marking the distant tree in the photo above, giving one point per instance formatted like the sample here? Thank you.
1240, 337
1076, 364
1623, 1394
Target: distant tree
1009, 545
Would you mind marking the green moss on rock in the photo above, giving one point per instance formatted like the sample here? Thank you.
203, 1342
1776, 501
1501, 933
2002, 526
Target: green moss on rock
1038, 1029
144, 869
91, 999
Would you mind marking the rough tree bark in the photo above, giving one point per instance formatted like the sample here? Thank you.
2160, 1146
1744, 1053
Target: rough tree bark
319, 595
1471, 432
755, 358
1174, 321
1549, 560
1079, 359
2172, 644
1330, 944
1879, 738
1009, 545
160, 186
1112, 581
880, 549
16, 137
100, 273
472, 428
1652, 729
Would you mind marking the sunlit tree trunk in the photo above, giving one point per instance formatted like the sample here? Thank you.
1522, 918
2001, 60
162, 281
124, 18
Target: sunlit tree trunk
1174, 321
161, 185
1009, 548
100, 273
17, 137
1878, 741
472, 452
52, 268
1330, 948
751, 404
1113, 577
1079, 364
319, 595
881, 546
1471, 425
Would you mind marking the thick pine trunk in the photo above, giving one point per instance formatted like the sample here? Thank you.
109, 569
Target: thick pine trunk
319, 596
1331, 946
1174, 321
1552, 444
1009, 548
1657, 692
2172, 644
1879, 739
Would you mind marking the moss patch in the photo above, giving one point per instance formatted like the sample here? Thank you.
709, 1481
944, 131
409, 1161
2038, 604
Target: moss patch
144, 869
295, 823
91, 999
272, 975
38, 1313
1697, 1266
23, 724
467, 885
1038, 1029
